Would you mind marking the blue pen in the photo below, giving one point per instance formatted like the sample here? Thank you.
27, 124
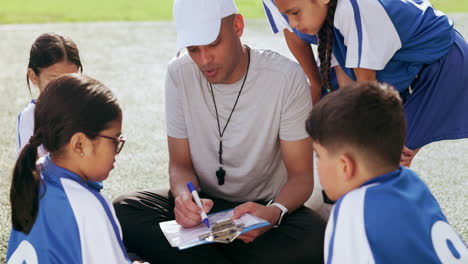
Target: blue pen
198, 202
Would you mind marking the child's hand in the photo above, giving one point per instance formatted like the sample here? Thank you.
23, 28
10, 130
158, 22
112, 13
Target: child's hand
407, 156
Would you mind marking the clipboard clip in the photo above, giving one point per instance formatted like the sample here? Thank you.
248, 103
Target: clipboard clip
224, 232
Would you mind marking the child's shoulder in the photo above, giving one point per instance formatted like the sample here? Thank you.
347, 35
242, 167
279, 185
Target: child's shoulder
393, 201
29, 109
393, 213
402, 188
400, 193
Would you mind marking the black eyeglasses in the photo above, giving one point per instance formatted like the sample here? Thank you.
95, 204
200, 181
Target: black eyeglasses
119, 142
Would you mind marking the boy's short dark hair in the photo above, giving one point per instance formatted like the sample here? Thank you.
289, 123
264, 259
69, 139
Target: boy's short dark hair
367, 116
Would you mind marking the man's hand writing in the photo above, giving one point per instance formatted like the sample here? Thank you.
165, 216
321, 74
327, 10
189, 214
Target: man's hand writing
187, 212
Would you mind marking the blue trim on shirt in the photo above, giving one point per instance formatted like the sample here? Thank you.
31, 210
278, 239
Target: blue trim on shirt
270, 18
112, 220
385, 177
49, 167
18, 130
357, 18
332, 239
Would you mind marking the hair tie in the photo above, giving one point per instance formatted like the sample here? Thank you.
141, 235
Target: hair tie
35, 141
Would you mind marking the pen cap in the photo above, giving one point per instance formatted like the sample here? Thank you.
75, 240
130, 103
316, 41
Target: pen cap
191, 186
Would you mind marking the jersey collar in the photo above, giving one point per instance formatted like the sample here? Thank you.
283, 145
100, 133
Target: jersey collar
385, 177
53, 173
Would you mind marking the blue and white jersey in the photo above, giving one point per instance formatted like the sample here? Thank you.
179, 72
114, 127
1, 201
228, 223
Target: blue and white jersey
392, 218
75, 224
411, 46
279, 22
25, 128
394, 37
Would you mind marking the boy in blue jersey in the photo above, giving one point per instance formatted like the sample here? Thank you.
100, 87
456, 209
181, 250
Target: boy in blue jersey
384, 213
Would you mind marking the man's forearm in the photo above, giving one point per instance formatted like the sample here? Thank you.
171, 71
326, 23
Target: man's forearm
179, 177
296, 191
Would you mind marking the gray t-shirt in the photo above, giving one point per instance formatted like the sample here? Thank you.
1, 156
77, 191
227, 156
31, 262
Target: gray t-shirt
273, 105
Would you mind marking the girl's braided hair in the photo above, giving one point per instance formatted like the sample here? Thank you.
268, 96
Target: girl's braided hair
325, 36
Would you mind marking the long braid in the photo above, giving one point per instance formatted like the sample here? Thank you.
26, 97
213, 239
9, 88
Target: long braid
325, 46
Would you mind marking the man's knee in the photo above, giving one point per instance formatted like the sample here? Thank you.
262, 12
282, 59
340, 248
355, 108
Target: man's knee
308, 229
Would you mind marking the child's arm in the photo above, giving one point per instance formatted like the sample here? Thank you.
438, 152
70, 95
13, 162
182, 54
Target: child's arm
343, 78
303, 53
365, 74
361, 75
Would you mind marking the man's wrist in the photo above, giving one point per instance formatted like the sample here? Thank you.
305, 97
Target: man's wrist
277, 214
283, 212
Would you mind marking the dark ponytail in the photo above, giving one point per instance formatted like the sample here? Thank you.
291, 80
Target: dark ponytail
51, 48
70, 104
24, 191
325, 47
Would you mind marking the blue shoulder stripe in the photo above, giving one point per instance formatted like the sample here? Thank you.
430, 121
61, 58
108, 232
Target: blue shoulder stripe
18, 130
332, 239
270, 19
357, 18
112, 220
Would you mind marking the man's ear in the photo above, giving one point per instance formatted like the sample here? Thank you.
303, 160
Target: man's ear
79, 144
239, 25
348, 166
33, 77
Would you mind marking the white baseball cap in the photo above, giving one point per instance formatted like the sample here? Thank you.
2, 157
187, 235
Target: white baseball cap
198, 21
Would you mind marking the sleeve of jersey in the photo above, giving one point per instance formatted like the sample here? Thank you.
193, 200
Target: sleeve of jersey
369, 34
297, 104
175, 120
277, 22
24, 130
100, 234
345, 238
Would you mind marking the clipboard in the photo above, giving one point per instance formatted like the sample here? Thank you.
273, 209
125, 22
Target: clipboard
223, 230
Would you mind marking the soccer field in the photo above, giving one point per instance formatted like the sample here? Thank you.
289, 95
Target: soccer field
131, 58
52, 11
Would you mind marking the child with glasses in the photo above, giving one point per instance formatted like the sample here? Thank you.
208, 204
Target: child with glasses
384, 213
56, 216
